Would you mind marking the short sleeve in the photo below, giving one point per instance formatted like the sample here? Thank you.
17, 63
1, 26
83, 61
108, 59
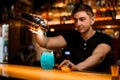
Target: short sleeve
107, 39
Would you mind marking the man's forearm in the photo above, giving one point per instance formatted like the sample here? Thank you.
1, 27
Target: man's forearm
42, 40
89, 63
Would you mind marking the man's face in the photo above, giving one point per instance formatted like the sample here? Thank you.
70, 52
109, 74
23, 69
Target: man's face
83, 21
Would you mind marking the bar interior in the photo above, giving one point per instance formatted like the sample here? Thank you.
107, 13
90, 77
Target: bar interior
19, 52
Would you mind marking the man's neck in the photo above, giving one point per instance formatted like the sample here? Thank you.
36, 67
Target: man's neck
88, 34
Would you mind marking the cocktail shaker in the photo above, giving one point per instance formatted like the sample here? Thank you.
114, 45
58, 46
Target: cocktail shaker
35, 21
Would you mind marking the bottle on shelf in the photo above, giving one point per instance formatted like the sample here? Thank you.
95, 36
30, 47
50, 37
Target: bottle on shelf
113, 11
98, 12
5, 14
5, 51
108, 9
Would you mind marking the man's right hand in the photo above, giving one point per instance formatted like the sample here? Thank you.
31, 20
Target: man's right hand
35, 30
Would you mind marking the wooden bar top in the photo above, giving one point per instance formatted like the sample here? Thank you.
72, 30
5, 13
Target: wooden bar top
37, 73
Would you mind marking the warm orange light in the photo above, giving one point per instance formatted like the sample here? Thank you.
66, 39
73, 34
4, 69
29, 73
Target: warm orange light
108, 26
60, 4
52, 29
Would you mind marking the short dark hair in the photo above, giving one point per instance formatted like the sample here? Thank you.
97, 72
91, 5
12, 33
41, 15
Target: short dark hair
83, 7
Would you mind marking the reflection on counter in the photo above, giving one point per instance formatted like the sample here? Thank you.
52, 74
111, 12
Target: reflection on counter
36, 73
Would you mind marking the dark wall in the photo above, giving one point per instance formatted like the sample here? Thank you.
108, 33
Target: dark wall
38, 3
7, 4
19, 37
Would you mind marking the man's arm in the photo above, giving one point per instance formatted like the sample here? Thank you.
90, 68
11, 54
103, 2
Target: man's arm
97, 57
50, 42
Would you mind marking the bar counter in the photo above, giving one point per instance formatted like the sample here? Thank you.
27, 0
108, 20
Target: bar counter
37, 73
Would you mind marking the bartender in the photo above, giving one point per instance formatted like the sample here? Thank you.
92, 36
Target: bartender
89, 49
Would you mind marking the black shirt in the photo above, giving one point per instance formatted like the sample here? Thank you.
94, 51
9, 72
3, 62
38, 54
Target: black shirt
81, 49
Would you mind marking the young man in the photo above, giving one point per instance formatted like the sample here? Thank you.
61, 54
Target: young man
89, 48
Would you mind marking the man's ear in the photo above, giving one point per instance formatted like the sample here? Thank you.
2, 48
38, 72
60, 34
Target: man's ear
93, 20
